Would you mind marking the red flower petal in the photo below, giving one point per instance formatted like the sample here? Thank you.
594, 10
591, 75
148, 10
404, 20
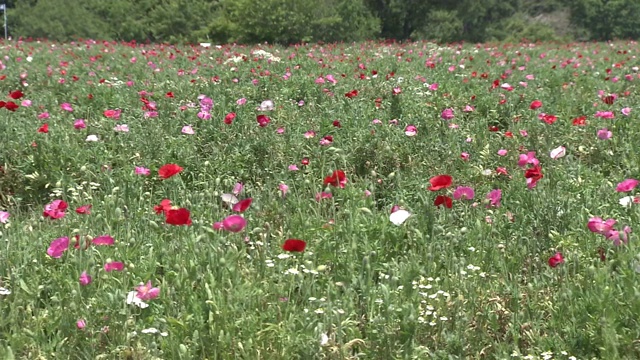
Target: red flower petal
169, 170
242, 205
440, 182
443, 200
178, 217
294, 245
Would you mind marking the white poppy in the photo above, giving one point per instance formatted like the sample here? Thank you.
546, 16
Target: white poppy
399, 216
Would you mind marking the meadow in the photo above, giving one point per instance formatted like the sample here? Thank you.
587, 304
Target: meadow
372, 200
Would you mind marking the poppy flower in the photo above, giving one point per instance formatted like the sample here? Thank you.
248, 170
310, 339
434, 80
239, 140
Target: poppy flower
84, 209
556, 260
11, 106
463, 193
15, 95
627, 185
103, 240
337, 179
178, 217
548, 118
228, 119
443, 200
351, 94
234, 223
294, 245
242, 205
165, 205
147, 291
44, 128
113, 266
440, 182
263, 120
580, 121
112, 114
535, 104
55, 209
168, 170
533, 175
57, 247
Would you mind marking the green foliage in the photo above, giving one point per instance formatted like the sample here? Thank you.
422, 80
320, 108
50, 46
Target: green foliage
611, 19
294, 21
442, 26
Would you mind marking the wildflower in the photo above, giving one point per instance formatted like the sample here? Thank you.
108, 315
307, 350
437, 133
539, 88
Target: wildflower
79, 124
294, 245
411, 130
533, 175
263, 120
337, 179
440, 182
113, 266
4, 217
187, 130
147, 292
132, 298
556, 260
92, 138
84, 210
139, 170
85, 279
234, 223
447, 114
463, 192
169, 170
494, 197
57, 247
66, 107
558, 152
443, 200
178, 217
627, 185
604, 134
242, 205
55, 210
399, 216
536, 104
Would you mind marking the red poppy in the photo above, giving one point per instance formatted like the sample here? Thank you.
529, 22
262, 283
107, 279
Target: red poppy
168, 170
263, 120
305, 161
351, 94
580, 121
443, 200
84, 209
294, 245
165, 205
44, 128
533, 175
549, 119
2, 104
440, 182
337, 179
556, 260
15, 95
180, 216
242, 205
228, 119
11, 106
337, 124
609, 99
535, 104
169, 95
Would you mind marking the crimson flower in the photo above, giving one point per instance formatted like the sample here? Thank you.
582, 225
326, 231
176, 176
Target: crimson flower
228, 119
556, 260
55, 209
351, 94
84, 209
165, 205
440, 182
337, 179
580, 121
263, 120
242, 205
443, 200
549, 119
178, 217
535, 104
294, 245
168, 170
11, 106
15, 95
533, 175
44, 128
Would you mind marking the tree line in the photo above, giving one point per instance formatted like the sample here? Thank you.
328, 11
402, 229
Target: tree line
296, 21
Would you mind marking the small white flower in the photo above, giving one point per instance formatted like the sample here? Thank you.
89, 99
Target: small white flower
558, 152
5, 291
626, 201
398, 217
132, 298
283, 256
443, 318
486, 172
324, 339
292, 271
319, 311
29, 59
150, 330
92, 138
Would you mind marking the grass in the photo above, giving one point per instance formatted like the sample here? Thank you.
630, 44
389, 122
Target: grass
470, 281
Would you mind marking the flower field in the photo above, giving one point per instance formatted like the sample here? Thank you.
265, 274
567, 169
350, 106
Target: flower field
372, 200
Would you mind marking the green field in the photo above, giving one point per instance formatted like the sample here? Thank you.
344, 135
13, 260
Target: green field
453, 202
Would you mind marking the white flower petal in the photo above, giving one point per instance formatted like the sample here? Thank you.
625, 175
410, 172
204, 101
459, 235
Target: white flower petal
399, 216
